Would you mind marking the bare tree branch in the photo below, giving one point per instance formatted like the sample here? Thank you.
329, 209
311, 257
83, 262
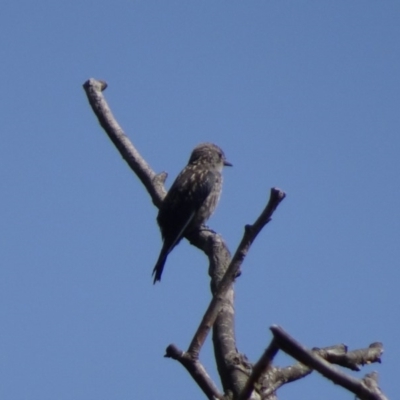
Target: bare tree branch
239, 378
290, 346
196, 370
152, 182
276, 377
259, 368
351, 359
251, 232
233, 367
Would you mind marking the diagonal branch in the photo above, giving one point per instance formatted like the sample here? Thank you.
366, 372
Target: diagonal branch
290, 346
251, 232
259, 369
151, 181
196, 370
267, 379
276, 377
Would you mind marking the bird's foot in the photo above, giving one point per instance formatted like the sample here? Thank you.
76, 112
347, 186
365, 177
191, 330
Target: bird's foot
206, 228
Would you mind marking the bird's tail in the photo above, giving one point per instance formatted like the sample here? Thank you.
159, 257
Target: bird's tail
158, 269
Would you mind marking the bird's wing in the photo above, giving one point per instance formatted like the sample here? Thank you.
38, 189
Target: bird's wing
201, 186
179, 234
183, 200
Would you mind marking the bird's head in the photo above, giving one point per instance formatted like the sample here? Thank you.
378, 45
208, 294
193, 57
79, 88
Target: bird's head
209, 154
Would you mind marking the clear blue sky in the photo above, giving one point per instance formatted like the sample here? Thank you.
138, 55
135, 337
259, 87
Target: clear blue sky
303, 95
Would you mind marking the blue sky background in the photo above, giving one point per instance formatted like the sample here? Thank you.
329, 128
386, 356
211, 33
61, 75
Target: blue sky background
303, 95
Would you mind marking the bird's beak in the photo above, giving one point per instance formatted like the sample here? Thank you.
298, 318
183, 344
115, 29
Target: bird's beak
227, 164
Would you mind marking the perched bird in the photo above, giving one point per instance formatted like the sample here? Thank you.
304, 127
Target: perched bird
191, 200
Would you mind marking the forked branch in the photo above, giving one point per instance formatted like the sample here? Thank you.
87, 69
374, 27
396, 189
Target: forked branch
238, 377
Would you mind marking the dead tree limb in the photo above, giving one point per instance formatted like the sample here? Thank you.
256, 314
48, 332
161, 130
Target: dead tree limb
315, 361
240, 379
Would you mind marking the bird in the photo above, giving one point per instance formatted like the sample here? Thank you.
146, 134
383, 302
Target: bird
191, 199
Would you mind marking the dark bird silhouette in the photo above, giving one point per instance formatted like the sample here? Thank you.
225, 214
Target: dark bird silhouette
191, 200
